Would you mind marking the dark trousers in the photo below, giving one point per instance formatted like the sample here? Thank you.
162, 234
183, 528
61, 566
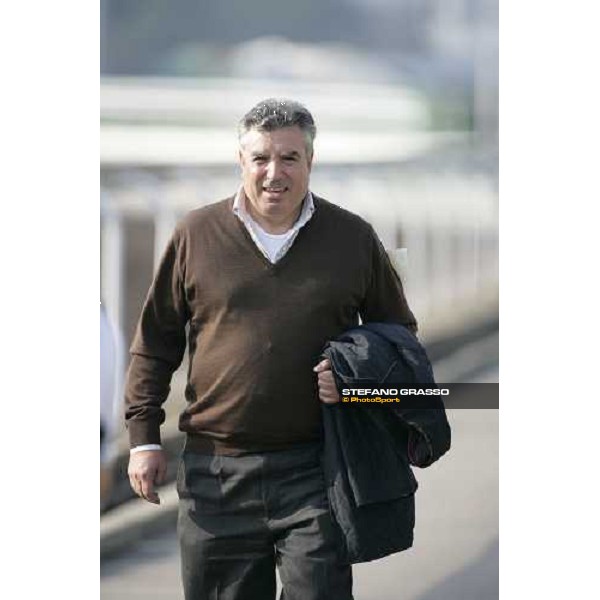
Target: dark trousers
241, 516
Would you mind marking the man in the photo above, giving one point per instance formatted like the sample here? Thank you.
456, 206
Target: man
262, 280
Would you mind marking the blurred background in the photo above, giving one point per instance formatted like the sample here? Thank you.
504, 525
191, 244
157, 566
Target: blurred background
405, 98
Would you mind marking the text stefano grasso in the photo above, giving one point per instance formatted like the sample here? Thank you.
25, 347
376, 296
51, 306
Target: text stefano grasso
406, 391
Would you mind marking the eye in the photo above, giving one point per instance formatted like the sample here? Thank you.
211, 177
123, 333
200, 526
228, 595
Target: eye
259, 159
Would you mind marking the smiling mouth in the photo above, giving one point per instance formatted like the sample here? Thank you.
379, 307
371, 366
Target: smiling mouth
274, 189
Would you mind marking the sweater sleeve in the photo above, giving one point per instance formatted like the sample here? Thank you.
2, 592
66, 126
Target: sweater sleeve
385, 300
158, 347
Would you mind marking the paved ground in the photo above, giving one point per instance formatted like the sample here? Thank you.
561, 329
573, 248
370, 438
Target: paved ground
455, 555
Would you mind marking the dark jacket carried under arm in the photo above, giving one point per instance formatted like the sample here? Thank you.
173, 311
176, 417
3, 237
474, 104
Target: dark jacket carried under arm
370, 484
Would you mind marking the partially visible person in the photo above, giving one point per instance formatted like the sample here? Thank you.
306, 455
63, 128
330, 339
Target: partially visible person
110, 404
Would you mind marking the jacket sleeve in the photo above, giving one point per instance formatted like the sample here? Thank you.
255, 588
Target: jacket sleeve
158, 346
429, 434
384, 300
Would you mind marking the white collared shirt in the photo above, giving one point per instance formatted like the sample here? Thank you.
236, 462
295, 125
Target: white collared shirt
273, 246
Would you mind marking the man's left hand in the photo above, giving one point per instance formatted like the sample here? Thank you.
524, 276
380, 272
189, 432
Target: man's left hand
327, 391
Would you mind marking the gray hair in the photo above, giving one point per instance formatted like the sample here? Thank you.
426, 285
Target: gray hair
277, 113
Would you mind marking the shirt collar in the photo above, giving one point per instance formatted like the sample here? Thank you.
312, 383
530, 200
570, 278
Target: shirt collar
239, 209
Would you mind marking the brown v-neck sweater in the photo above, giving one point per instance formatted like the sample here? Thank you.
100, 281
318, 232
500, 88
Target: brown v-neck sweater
256, 329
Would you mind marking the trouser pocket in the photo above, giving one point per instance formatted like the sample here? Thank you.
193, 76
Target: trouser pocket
198, 479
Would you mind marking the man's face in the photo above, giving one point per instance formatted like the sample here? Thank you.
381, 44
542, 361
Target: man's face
275, 173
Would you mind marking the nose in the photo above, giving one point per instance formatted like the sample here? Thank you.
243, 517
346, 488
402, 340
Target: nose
274, 169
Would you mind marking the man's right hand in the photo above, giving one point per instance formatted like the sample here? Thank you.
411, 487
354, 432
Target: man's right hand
147, 468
